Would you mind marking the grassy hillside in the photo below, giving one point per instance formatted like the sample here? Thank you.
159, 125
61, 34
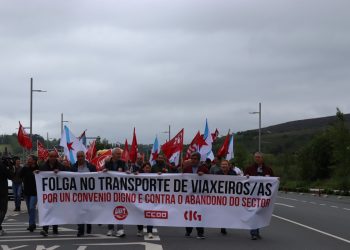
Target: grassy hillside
283, 138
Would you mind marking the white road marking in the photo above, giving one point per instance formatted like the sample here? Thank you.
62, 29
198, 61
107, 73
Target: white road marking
348, 209
148, 246
281, 204
90, 236
57, 238
280, 197
322, 204
334, 207
311, 228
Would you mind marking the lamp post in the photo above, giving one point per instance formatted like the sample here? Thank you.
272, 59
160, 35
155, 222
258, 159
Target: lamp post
167, 132
62, 121
258, 112
31, 104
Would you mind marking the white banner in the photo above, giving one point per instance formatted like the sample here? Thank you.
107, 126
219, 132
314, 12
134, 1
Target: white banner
178, 200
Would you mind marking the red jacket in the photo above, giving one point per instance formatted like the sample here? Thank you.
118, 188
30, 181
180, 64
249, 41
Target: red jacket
188, 170
253, 170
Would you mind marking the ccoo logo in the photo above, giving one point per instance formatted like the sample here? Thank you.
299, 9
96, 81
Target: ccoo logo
192, 215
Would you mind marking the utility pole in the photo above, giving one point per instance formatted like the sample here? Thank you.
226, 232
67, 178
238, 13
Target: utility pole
31, 105
258, 112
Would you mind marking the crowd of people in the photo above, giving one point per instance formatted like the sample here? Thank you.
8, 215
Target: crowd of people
23, 179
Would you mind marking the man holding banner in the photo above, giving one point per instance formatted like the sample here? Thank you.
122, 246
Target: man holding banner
82, 166
258, 169
195, 168
116, 164
52, 164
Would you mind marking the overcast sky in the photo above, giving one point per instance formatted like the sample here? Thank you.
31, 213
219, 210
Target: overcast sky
112, 65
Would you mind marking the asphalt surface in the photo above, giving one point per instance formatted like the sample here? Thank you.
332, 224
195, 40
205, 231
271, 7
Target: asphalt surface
299, 222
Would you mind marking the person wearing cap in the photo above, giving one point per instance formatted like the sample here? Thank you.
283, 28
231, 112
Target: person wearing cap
258, 169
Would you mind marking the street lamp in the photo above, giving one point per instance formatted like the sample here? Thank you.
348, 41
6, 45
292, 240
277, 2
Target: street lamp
62, 121
167, 132
258, 112
31, 104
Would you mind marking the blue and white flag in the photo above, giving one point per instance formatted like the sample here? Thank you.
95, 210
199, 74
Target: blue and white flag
231, 151
71, 145
82, 138
154, 152
206, 150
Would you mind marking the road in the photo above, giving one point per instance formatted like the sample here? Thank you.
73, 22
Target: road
299, 222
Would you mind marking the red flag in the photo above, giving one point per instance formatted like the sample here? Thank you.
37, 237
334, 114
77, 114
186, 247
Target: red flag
215, 134
174, 145
133, 149
224, 148
23, 138
197, 142
99, 161
91, 152
125, 155
43, 153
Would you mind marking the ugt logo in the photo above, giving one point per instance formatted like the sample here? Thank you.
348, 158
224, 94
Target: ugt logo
192, 215
120, 212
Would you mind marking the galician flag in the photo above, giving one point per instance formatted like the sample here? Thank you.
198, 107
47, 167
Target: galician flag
71, 145
206, 150
154, 152
231, 151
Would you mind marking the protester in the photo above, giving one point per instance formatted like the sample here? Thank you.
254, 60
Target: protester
115, 163
29, 189
160, 166
225, 170
172, 168
17, 185
195, 168
146, 169
215, 167
66, 164
258, 169
5, 173
52, 164
208, 163
137, 166
235, 168
82, 166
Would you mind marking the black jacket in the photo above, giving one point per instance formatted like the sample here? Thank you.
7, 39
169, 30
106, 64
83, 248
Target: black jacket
91, 167
114, 166
5, 174
29, 185
46, 166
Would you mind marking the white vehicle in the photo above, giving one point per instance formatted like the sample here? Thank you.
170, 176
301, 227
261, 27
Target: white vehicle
9, 184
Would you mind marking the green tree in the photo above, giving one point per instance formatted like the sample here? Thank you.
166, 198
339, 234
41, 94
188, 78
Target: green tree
340, 136
315, 158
